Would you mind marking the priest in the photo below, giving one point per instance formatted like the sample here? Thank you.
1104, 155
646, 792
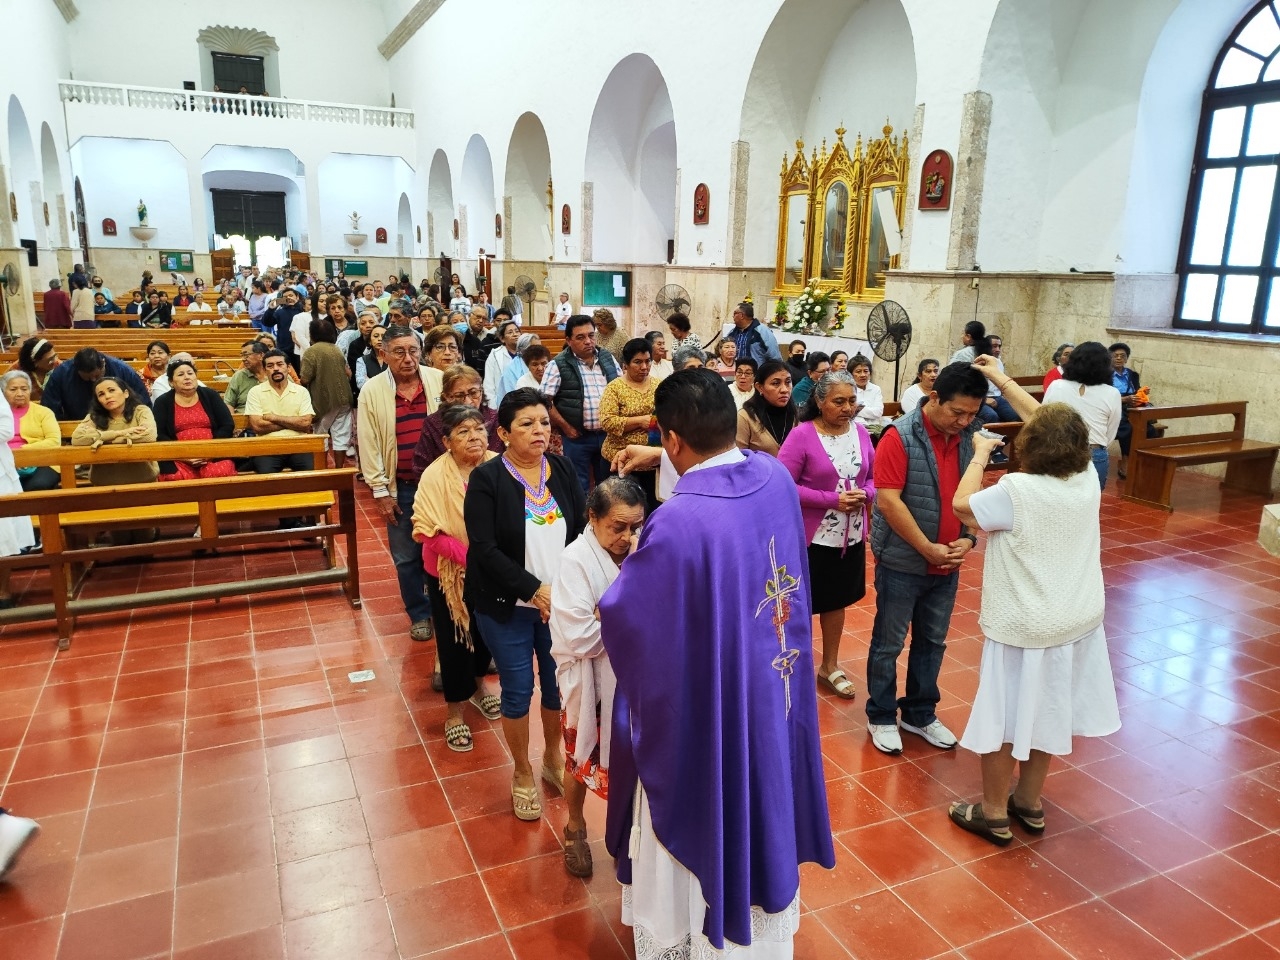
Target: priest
716, 789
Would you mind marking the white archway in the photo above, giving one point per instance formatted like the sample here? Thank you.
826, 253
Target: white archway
440, 213
54, 194
476, 195
525, 186
821, 64
404, 228
631, 164
24, 174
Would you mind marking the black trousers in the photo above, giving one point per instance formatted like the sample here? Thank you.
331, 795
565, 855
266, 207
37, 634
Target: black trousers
44, 478
276, 463
460, 668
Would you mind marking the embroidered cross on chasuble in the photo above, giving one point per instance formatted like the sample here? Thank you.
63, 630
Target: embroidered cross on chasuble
777, 592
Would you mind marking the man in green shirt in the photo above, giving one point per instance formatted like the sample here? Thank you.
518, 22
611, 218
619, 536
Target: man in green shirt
245, 379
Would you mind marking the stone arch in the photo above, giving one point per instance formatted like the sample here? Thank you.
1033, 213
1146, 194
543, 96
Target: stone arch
404, 228
54, 194
476, 202
631, 166
440, 213
821, 64
526, 228
24, 175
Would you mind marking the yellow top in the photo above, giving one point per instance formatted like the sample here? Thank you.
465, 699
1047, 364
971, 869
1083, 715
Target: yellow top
622, 399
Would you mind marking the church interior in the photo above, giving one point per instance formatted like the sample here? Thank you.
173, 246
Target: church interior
209, 779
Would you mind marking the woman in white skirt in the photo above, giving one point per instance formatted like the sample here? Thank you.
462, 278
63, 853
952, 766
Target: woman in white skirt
1044, 676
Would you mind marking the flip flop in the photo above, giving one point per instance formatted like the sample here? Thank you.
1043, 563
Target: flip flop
969, 816
457, 736
1031, 821
839, 684
549, 774
487, 704
525, 803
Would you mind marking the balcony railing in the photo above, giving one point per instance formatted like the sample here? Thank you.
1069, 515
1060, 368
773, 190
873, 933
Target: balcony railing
234, 104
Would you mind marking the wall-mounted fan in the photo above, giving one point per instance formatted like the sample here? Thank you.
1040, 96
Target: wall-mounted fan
889, 332
672, 298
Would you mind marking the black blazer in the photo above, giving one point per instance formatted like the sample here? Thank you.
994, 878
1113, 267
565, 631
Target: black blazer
494, 514
218, 412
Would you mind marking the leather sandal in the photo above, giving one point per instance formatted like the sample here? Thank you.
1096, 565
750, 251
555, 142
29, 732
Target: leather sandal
525, 802
577, 853
1031, 821
969, 816
839, 684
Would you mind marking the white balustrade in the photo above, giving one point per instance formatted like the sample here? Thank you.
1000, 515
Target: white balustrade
233, 104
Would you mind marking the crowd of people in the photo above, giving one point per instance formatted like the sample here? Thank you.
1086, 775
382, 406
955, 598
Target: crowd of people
531, 502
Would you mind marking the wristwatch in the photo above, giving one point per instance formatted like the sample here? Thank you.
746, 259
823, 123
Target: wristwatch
970, 537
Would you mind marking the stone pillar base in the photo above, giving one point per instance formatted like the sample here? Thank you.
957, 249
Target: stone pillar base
1269, 530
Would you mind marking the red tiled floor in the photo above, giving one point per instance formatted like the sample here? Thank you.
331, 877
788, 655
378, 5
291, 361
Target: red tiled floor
211, 785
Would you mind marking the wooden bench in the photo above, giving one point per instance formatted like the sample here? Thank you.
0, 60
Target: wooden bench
1153, 460
68, 427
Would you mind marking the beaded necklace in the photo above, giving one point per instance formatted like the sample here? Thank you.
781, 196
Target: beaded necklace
538, 503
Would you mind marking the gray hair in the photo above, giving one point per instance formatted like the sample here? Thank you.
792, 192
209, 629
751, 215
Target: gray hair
457, 414
1057, 354
610, 492
828, 381
684, 355
525, 341
397, 332
14, 375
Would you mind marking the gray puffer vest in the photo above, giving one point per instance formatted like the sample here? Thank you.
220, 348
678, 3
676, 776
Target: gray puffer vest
920, 494
569, 397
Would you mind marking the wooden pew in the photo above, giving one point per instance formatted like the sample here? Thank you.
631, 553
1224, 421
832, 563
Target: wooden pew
1154, 460
68, 427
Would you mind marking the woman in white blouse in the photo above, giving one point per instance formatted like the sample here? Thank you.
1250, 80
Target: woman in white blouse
1086, 386
870, 397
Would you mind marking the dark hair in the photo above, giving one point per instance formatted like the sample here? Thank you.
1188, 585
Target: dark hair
517, 400
797, 343
975, 329
634, 347
756, 405
1057, 354
1089, 364
610, 492
535, 351
87, 360
697, 405
747, 362
323, 331
1120, 346
920, 368
981, 345
838, 353
275, 353
960, 379
829, 380
257, 346
175, 364
28, 355
747, 309
679, 321
859, 360
575, 321
1053, 442
455, 415
814, 360
98, 413
502, 327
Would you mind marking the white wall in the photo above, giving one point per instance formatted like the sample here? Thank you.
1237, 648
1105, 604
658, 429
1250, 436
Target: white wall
370, 186
116, 174
328, 48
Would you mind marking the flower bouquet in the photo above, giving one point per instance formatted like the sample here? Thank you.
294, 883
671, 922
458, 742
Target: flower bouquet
809, 309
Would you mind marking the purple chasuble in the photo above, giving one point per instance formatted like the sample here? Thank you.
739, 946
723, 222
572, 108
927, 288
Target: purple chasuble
716, 712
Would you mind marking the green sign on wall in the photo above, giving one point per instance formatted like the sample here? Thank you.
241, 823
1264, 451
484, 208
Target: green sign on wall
355, 268
606, 288
177, 261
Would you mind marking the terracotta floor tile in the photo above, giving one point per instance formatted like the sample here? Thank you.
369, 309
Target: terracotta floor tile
60, 839
136, 821
1019, 943
820, 887
1179, 920
311, 786
1206, 816
487, 948
500, 838
138, 928
237, 761
223, 851
408, 808
375, 772
479, 793
851, 805
312, 831
1152, 839
226, 906
1028, 882
1092, 860
1084, 797
361, 930
327, 882
60, 724
51, 795
442, 915
1097, 930
1262, 856
125, 873
144, 711
421, 858
264, 944
38, 760
34, 941
222, 729
1246, 948
1235, 890
958, 906
531, 890
305, 753
583, 935
223, 804
896, 851
34, 891
880, 926
142, 743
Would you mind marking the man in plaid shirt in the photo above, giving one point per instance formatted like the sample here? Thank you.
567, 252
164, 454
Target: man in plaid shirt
575, 382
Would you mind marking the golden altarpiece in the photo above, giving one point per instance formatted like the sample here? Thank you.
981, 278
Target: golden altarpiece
831, 211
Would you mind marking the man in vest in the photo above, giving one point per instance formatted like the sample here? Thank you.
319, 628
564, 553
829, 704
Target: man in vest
575, 382
919, 546
751, 337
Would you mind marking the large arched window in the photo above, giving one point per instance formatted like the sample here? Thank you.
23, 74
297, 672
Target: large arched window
1230, 258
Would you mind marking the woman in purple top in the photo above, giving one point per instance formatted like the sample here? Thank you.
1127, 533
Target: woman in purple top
829, 455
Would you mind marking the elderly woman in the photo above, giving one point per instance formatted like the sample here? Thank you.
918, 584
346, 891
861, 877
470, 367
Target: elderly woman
157, 365
840, 361
522, 510
626, 410
439, 526
1060, 358
116, 415
500, 358
921, 386
1086, 387
192, 412
661, 367
442, 348
1044, 676
682, 334
324, 374
16, 533
615, 511
766, 418
460, 387
870, 396
37, 358
687, 358
608, 336
34, 425
723, 364
829, 455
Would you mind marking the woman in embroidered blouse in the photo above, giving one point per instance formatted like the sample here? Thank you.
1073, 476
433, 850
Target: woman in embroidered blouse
765, 419
626, 409
438, 525
829, 455
1044, 676
521, 510
192, 412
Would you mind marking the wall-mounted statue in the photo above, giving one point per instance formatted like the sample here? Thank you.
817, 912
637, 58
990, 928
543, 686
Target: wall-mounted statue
108, 227
380, 235
497, 225
935, 181
701, 204
566, 220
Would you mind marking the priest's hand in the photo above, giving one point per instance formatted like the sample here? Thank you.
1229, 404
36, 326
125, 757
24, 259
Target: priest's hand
637, 457
989, 367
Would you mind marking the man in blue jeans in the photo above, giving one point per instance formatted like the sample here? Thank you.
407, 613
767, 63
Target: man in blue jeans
575, 382
919, 546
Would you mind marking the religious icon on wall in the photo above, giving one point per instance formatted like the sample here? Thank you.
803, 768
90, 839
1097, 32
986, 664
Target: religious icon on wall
497, 225
935, 181
380, 235
455, 229
13, 207
417, 232
566, 220
108, 227
701, 203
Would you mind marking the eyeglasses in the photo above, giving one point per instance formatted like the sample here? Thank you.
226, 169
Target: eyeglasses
401, 352
446, 346
475, 393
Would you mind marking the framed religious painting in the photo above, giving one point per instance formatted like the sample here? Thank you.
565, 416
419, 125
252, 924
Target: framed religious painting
936, 175
701, 204
566, 220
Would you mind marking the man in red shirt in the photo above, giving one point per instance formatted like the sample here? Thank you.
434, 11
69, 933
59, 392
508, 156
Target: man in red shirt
919, 546
57, 307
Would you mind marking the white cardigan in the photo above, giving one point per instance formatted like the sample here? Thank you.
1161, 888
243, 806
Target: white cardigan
376, 423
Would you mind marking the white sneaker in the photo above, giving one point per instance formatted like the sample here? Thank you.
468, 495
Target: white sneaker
885, 737
15, 834
935, 733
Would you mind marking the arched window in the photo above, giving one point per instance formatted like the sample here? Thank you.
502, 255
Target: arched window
1229, 264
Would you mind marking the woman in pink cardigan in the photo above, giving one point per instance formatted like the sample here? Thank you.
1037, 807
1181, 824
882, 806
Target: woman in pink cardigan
829, 455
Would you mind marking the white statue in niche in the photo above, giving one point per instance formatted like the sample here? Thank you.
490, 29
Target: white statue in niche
355, 222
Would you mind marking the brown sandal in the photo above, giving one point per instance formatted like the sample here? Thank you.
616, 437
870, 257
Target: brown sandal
577, 853
969, 816
1031, 821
